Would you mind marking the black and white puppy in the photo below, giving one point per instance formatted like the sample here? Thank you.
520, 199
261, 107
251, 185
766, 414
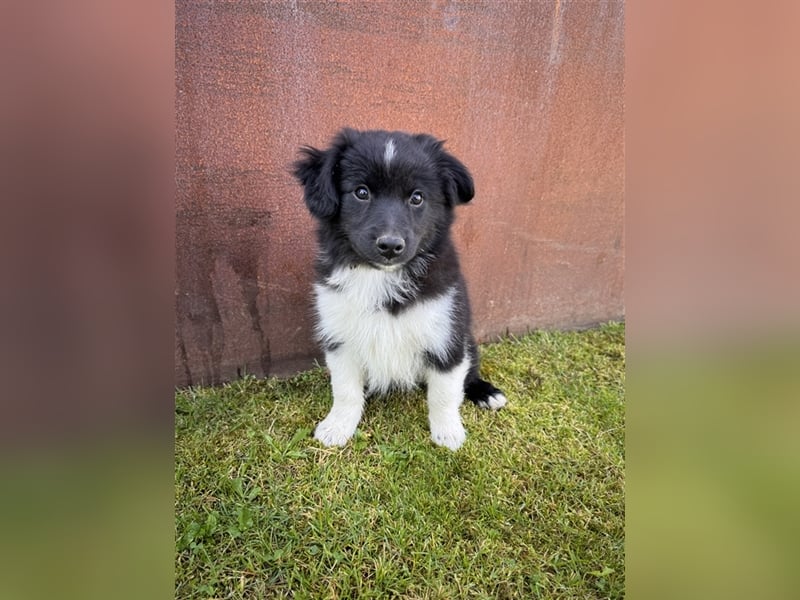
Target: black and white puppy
391, 299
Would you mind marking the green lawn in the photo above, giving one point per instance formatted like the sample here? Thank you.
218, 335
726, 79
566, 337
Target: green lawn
532, 506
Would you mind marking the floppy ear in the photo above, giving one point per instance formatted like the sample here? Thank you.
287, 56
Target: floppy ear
458, 185
317, 171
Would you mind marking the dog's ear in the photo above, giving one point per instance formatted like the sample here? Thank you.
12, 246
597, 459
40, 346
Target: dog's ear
457, 182
317, 171
458, 185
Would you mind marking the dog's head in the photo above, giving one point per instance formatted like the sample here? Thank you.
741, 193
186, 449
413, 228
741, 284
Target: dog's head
391, 194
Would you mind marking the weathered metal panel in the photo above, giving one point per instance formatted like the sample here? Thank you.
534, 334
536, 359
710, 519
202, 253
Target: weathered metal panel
528, 95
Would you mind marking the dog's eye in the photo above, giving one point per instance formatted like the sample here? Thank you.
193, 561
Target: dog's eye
361, 192
416, 198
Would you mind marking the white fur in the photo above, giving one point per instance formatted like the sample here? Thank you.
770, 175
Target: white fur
497, 401
493, 402
445, 394
389, 151
348, 400
379, 350
389, 349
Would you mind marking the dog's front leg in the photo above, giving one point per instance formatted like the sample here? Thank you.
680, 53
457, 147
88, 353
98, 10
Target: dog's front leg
445, 394
347, 383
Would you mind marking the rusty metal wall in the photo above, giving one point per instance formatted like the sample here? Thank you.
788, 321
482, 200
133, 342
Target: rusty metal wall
528, 95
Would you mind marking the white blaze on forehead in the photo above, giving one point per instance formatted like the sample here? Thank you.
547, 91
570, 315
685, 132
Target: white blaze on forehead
388, 152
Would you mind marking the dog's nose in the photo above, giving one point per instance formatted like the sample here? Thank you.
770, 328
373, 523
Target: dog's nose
390, 246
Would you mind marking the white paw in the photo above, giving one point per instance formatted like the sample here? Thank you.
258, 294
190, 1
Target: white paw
493, 402
496, 401
335, 431
450, 436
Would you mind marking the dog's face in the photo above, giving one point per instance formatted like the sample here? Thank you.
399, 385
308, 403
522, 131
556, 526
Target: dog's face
389, 194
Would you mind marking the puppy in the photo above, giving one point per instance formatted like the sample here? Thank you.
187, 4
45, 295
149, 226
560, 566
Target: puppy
391, 301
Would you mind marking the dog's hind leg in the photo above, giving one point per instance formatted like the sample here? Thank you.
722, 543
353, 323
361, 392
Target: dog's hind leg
482, 393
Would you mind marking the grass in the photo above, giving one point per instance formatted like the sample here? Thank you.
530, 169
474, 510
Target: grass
532, 506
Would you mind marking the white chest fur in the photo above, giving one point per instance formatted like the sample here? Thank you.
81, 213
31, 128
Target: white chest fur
390, 349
